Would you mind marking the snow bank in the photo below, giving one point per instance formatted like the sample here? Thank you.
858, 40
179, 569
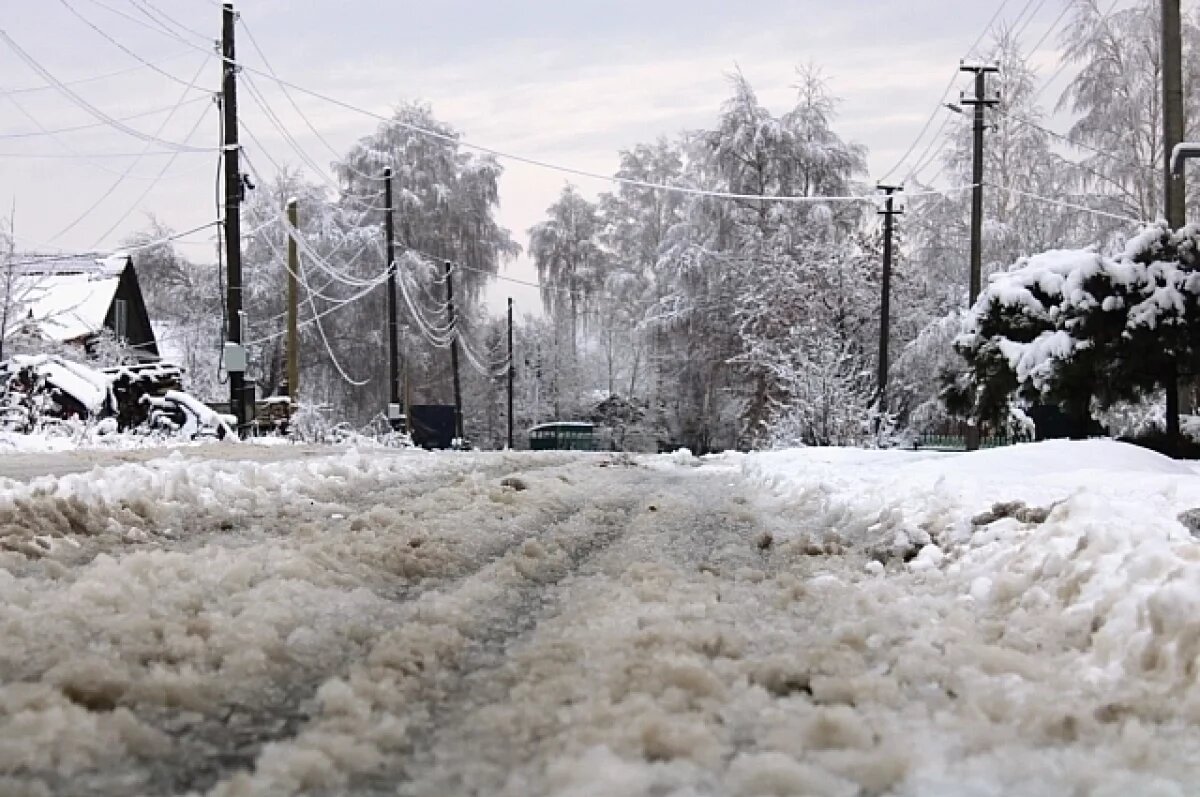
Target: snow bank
1075, 543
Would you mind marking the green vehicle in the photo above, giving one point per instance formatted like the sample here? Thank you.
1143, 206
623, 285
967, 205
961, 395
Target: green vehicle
563, 436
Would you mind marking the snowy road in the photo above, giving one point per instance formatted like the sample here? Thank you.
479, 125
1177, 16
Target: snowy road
532, 624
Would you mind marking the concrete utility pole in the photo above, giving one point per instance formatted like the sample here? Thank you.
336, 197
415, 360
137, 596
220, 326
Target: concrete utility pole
981, 102
1172, 87
885, 298
512, 368
1173, 183
393, 413
235, 353
458, 414
293, 321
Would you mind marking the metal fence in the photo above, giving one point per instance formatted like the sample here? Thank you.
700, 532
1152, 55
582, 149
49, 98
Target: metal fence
957, 442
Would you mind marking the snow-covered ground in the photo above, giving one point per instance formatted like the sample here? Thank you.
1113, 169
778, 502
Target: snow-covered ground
814, 622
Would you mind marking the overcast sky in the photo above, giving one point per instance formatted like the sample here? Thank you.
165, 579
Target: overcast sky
564, 81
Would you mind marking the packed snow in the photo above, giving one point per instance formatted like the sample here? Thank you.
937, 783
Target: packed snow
804, 622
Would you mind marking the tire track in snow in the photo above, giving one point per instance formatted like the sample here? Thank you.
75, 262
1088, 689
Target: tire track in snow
500, 736
190, 746
374, 719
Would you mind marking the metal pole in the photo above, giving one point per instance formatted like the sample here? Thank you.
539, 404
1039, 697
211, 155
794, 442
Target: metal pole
393, 329
458, 414
512, 367
293, 324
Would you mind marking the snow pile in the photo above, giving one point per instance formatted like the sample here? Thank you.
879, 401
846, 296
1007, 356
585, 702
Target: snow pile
1075, 543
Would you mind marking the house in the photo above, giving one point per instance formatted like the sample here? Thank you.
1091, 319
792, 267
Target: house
71, 299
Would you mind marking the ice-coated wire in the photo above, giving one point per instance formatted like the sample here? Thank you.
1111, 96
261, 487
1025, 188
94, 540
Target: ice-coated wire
123, 250
440, 338
95, 78
1068, 205
94, 125
146, 192
121, 45
941, 98
87, 106
295, 106
73, 153
129, 169
538, 163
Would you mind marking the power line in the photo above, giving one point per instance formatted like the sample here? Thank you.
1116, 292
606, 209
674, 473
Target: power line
64, 257
97, 78
87, 106
942, 98
458, 141
296, 106
94, 125
1102, 153
142, 197
1068, 205
129, 169
121, 46
91, 158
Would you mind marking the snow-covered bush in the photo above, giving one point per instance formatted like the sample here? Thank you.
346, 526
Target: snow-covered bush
1075, 328
311, 423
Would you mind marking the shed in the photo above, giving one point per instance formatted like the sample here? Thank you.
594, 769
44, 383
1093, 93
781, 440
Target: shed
71, 299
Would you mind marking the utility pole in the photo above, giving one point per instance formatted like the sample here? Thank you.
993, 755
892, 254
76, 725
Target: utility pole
1173, 183
981, 102
458, 414
234, 353
885, 298
293, 325
512, 368
393, 331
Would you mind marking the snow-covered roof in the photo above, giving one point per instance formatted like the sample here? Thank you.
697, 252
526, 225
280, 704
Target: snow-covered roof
64, 298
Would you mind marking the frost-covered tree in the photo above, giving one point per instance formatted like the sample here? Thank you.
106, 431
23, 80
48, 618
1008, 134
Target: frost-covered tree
445, 200
1116, 99
772, 266
571, 262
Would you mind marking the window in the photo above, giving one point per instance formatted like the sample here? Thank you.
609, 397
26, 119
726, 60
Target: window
120, 319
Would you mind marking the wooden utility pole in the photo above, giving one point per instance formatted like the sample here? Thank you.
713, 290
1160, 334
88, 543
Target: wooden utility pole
235, 354
293, 307
981, 102
1173, 183
393, 330
453, 324
885, 297
512, 367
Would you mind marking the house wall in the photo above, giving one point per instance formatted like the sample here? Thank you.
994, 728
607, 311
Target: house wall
138, 332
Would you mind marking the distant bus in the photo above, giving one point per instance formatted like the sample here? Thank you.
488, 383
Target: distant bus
563, 436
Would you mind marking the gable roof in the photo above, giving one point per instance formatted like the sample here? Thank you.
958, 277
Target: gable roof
64, 298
